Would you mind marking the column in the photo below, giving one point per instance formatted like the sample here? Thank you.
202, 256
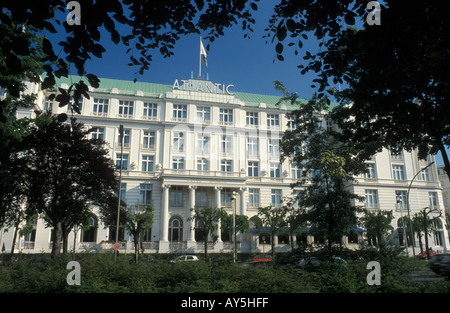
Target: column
191, 236
244, 246
164, 226
243, 210
218, 206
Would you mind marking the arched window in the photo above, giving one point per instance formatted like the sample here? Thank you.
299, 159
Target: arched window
90, 234
176, 229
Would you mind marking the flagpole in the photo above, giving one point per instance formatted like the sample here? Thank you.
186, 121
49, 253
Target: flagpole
200, 59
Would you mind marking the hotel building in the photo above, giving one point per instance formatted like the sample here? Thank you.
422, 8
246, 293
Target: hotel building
201, 144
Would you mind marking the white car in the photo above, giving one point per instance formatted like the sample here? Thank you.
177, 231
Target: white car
184, 258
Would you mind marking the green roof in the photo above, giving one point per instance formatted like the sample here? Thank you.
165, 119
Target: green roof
128, 87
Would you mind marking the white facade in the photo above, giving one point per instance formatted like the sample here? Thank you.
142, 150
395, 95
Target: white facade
197, 143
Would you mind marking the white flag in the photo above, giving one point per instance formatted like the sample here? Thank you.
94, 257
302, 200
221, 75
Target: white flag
203, 53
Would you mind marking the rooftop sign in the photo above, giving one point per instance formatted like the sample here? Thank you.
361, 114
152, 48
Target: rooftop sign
202, 86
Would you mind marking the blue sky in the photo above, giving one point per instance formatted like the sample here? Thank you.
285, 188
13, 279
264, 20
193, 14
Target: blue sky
232, 59
248, 64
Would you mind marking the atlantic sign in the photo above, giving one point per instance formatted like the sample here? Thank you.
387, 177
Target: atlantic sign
202, 86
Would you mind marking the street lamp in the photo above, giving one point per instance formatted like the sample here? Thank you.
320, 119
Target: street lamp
398, 205
234, 227
409, 213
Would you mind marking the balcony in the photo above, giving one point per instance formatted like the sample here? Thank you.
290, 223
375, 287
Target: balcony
204, 173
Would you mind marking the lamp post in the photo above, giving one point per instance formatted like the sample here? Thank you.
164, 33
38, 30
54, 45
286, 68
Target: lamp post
120, 186
398, 204
234, 227
408, 207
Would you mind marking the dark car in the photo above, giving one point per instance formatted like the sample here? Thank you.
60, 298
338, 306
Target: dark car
440, 264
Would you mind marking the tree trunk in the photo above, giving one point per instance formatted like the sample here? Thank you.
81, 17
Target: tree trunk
426, 234
136, 248
16, 229
272, 244
56, 247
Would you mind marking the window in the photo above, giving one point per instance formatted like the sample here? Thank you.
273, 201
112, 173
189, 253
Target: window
291, 125
225, 197
425, 175
126, 138
201, 197
150, 111
276, 197
253, 169
100, 107
329, 125
202, 164
71, 104
145, 194
433, 198
273, 121
48, 105
203, 143
371, 198
226, 116
147, 163
397, 155
179, 113
400, 197
123, 191
296, 172
175, 229
176, 196
178, 163
226, 144
90, 234
126, 108
274, 169
203, 114
370, 172
124, 161
148, 140
253, 198
398, 172
225, 166
251, 118
98, 133
274, 147
178, 141
252, 147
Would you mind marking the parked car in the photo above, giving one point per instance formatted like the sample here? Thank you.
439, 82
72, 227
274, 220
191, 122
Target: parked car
314, 262
424, 255
261, 258
440, 264
184, 258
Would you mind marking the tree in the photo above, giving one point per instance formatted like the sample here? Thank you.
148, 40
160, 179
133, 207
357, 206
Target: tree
205, 221
328, 165
138, 219
68, 173
241, 225
395, 76
275, 220
141, 27
378, 226
424, 223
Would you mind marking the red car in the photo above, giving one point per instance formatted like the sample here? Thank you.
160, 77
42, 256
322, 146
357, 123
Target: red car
261, 258
424, 255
